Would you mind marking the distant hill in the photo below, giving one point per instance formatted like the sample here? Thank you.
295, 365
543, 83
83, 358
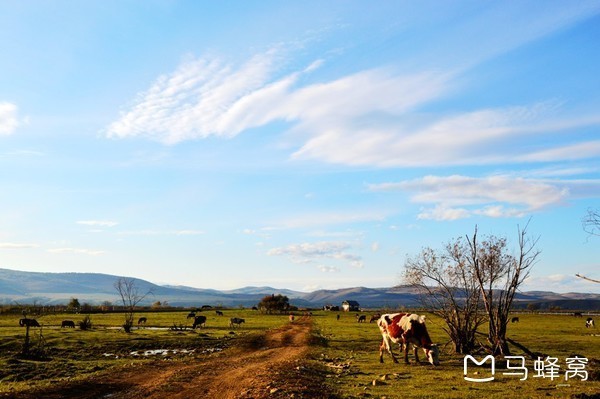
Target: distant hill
94, 288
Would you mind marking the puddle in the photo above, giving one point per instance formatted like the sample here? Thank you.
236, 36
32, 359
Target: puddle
164, 352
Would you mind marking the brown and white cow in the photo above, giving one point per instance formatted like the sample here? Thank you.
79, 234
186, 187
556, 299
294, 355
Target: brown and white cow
405, 329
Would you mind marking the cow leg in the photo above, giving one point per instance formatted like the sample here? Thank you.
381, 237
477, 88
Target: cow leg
405, 352
415, 351
385, 343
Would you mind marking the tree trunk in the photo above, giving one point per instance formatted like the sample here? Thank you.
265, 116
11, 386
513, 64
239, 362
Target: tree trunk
26, 343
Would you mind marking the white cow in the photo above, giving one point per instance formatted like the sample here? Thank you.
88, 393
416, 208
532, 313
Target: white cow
405, 329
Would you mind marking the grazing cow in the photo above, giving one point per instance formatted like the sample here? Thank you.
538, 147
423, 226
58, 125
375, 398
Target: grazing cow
236, 321
199, 321
219, 313
577, 314
589, 322
67, 323
514, 320
254, 308
191, 315
375, 317
291, 317
405, 329
142, 320
361, 319
29, 323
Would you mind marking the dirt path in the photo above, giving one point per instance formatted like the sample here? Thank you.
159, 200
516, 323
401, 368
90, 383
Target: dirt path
270, 365
246, 371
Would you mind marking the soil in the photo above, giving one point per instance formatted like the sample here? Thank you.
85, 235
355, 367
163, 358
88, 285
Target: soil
272, 365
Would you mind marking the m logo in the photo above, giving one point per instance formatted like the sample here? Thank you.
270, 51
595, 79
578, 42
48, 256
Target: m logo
469, 357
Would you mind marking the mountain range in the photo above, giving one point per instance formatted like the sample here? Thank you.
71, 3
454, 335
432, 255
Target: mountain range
95, 288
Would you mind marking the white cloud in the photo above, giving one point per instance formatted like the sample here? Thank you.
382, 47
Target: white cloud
358, 119
441, 212
195, 100
79, 251
375, 247
12, 245
368, 117
9, 121
329, 269
161, 232
97, 223
458, 197
209, 97
330, 218
558, 283
311, 252
188, 232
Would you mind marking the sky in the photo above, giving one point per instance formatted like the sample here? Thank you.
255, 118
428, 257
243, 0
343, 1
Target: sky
302, 145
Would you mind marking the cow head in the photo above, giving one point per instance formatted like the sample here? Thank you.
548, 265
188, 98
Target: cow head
433, 355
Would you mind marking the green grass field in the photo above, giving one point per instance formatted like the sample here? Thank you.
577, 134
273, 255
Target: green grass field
76, 354
346, 351
352, 356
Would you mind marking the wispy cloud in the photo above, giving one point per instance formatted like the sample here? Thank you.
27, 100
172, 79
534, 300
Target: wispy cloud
195, 100
329, 218
457, 197
182, 232
9, 120
371, 117
209, 97
98, 223
329, 269
78, 251
12, 245
313, 252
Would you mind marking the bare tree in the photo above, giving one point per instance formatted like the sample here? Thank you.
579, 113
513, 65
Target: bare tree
591, 225
470, 283
130, 297
499, 275
448, 287
591, 222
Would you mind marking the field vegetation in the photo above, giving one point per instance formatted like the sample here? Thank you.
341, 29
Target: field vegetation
344, 353
352, 358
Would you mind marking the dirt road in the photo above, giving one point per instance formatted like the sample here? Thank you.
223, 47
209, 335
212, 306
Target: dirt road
266, 366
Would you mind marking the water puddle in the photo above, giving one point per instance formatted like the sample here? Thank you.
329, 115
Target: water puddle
164, 352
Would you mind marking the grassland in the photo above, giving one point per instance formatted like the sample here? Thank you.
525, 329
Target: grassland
345, 352
73, 354
352, 356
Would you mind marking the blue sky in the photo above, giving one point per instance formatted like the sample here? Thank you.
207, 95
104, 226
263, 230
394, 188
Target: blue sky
302, 145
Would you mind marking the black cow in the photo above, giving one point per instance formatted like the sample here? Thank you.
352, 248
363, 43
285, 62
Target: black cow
199, 321
375, 317
514, 320
219, 313
236, 321
29, 323
67, 323
191, 315
142, 320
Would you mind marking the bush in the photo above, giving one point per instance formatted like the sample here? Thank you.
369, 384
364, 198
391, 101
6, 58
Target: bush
86, 323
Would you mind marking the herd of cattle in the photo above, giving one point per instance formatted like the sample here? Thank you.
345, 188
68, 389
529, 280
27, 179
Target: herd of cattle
199, 321
404, 329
